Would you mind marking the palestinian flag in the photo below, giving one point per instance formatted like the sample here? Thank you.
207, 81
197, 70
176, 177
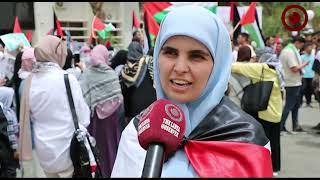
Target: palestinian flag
101, 28
57, 26
154, 12
135, 21
160, 9
250, 24
29, 36
16, 27
151, 28
57, 30
235, 19
227, 143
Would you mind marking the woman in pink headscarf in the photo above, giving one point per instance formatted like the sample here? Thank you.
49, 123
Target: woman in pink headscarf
102, 92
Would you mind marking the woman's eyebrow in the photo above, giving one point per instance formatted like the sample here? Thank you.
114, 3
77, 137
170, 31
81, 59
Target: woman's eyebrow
201, 52
168, 48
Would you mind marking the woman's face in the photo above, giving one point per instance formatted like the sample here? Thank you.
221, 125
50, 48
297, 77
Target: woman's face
185, 66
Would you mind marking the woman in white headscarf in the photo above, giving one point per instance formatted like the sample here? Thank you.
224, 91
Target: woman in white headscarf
192, 63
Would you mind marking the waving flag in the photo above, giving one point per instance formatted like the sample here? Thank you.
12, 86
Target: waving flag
249, 23
135, 21
235, 19
160, 9
101, 28
16, 27
154, 12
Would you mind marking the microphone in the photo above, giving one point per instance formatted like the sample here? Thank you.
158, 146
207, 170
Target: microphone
160, 131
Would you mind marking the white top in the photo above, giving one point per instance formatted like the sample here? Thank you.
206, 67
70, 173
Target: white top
235, 55
130, 156
288, 60
52, 118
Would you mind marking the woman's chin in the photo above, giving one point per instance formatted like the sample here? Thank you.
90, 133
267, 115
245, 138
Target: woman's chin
181, 98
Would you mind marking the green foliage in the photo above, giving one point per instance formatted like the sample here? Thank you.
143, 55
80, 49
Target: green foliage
271, 17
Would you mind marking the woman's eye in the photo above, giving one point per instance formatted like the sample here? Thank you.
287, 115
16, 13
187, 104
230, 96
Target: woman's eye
197, 56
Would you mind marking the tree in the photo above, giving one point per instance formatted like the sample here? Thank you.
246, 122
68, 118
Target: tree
97, 10
272, 12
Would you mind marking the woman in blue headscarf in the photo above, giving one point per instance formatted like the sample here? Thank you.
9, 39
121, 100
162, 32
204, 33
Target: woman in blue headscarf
192, 64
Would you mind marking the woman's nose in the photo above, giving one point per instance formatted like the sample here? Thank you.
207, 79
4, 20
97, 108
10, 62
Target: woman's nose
181, 65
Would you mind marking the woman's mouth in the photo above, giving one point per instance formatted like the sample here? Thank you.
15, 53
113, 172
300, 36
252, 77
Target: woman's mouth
180, 84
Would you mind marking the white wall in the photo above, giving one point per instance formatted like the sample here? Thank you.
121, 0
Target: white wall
126, 16
43, 18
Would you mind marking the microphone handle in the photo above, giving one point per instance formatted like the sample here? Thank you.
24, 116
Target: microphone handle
154, 160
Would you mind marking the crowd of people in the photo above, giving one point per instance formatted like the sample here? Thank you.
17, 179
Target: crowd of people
197, 66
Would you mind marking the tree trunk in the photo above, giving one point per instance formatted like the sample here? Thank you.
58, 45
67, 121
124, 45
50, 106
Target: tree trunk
97, 10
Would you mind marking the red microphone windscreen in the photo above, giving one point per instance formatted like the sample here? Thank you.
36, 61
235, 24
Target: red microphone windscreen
162, 122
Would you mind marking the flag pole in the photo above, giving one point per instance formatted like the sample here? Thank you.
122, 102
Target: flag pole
235, 28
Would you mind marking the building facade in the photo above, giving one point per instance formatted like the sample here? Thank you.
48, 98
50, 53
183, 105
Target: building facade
77, 18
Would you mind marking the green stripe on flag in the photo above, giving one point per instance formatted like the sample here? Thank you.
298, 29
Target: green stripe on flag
254, 35
213, 9
102, 34
159, 16
153, 40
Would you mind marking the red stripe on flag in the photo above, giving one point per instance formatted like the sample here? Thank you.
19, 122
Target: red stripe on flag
59, 30
231, 11
16, 27
29, 36
249, 17
153, 26
135, 20
98, 24
229, 159
155, 7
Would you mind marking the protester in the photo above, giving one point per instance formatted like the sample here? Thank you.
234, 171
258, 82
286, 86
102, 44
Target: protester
293, 67
10, 162
235, 50
15, 81
45, 100
270, 41
244, 54
308, 74
316, 87
119, 60
243, 40
70, 68
137, 37
102, 92
137, 81
30, 168
199, 54
269, 118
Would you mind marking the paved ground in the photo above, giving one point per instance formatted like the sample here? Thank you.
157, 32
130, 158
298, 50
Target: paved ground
301, 152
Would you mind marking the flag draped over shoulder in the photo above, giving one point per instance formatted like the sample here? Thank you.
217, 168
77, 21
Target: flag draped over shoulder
249, 23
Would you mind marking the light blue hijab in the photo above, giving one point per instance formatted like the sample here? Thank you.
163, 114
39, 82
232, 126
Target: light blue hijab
204, 26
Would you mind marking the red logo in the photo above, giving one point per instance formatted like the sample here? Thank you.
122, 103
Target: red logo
291, 17
173, 112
